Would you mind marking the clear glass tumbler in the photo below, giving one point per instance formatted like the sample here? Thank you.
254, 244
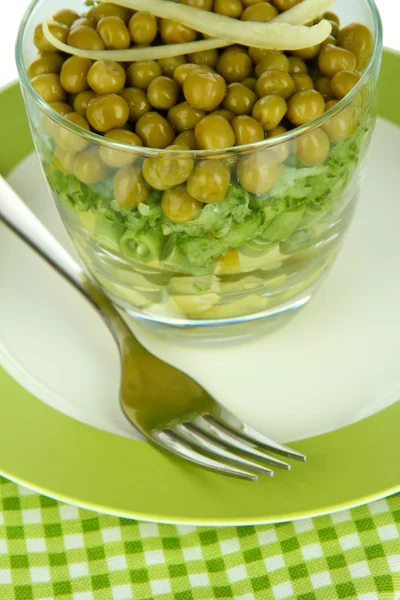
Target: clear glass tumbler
273, 219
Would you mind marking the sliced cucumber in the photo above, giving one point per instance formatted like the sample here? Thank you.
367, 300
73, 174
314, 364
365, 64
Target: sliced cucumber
173, 259
142, 246
282, 227
256, 247
108, 233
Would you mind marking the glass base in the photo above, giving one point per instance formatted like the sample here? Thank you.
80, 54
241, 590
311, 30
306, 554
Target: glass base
227, 332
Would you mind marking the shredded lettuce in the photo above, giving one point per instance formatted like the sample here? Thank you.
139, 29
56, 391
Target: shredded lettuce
70, 190
202, 250
216, 219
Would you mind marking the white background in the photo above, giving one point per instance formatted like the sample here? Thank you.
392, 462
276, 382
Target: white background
13, 10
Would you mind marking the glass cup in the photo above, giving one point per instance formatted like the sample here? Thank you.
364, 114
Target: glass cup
208, 245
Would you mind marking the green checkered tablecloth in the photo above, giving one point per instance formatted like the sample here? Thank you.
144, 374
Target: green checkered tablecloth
50, 550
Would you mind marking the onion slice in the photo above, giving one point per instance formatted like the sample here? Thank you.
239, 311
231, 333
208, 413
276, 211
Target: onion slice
304, 12
134, 54
272, 35
284, 32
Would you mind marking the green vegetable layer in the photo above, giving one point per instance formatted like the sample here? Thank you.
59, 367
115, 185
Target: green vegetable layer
242, 220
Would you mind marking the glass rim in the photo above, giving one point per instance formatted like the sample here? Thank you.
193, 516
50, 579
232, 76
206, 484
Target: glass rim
146, 152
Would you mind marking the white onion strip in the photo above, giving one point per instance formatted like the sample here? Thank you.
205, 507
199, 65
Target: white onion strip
277, 36
134, 54
304, 12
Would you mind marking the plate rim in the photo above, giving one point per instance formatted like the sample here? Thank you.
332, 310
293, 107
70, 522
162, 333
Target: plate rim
15, 468
220, 523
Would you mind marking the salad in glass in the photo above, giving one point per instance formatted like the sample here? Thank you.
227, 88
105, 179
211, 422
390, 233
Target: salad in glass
205, 156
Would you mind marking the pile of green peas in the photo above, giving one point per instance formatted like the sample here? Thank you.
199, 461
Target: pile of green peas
207, 100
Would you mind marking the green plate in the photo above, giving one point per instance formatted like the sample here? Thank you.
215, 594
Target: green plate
64, 458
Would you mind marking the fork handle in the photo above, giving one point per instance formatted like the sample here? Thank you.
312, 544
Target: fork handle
15, 214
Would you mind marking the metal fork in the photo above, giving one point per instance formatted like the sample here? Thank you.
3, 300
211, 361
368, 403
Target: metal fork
164, 404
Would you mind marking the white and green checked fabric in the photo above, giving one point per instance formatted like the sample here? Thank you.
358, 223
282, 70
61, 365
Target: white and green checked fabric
54, 551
